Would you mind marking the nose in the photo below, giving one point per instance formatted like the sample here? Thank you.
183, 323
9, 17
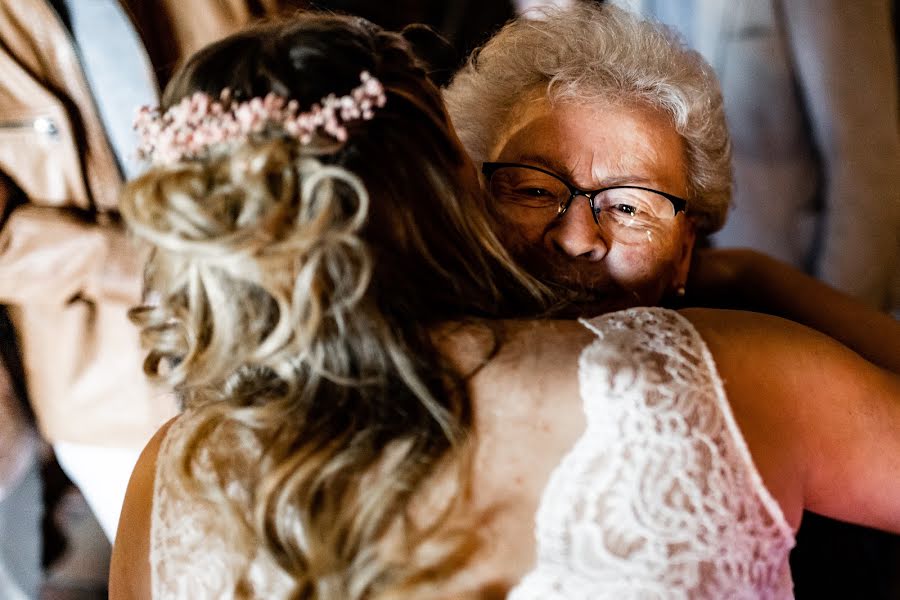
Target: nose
576, 234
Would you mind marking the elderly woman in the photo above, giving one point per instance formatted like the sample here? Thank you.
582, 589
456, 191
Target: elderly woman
604, 142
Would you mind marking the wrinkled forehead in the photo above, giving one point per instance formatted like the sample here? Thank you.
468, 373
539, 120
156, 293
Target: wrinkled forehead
595, 142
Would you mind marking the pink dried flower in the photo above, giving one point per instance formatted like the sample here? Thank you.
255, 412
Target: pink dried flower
198, 123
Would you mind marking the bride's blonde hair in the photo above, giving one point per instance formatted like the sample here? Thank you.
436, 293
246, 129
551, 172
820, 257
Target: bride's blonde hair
295, 288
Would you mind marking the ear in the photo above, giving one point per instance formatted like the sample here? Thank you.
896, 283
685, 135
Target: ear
683, 264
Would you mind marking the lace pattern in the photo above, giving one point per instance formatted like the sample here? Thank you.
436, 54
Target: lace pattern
194, 553
660, 497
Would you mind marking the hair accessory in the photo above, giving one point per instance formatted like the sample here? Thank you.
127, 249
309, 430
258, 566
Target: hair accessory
199, 122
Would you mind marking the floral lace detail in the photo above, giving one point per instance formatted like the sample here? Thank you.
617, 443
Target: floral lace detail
659, 498
194, 552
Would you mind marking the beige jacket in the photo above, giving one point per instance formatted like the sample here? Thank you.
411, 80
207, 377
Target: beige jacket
67, 271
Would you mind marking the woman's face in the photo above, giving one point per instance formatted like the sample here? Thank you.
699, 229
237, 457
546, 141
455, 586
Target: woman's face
593, 147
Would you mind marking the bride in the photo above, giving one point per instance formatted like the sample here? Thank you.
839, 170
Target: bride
373, 408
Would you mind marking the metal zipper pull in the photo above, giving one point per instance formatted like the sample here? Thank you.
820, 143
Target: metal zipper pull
42, 125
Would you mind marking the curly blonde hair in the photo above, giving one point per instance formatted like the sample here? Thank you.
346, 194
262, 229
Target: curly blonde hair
595, 54
297, 288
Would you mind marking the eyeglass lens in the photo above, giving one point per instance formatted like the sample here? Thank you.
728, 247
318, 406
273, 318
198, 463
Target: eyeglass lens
633, 215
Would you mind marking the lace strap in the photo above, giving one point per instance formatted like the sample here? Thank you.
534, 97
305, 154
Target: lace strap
659, 497
188, 555
675, 344
196, 549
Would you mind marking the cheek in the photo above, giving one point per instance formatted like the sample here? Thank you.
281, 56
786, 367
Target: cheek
641, 266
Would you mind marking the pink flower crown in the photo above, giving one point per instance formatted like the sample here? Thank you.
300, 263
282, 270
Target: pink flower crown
198, 123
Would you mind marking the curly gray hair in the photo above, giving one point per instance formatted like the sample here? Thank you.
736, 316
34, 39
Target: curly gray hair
594, 54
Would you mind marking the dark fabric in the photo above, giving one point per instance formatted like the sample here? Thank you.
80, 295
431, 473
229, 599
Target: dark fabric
833, 559
465, 23
12, 197
12, 362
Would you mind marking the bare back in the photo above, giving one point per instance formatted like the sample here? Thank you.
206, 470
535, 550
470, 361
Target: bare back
614, 453
528, 414
535, 410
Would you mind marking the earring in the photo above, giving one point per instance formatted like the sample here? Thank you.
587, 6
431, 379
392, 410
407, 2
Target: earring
680, 291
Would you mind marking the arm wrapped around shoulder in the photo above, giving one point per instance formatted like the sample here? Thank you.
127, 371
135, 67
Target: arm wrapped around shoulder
822, 423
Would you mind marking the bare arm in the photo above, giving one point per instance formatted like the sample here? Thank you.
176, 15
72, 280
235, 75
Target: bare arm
749, 280
129, 571
823, 424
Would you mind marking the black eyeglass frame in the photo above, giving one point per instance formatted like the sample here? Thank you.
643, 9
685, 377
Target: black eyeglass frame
489, 168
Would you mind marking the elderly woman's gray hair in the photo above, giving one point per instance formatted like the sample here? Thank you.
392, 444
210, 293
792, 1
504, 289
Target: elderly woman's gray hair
600, 54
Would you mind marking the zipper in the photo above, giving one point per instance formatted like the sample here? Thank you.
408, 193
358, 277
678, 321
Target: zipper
42, 125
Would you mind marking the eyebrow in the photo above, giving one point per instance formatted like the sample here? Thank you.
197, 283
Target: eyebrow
541, 161
628, 180
562, 171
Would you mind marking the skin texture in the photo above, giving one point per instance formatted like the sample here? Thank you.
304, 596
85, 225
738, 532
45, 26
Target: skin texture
820, 423
593, 147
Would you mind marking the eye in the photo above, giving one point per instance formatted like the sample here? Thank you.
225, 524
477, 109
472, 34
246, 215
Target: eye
626, 209
534, 192
632, 204
527, 187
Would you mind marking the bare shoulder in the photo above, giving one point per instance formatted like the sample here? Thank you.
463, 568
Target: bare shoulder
512, 345
740, 322
760, 338
540, 353
821, 421
766, 357
533, 377
520, 369
129, 572
554, 340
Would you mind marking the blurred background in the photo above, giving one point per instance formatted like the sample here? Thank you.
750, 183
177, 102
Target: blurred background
811, 98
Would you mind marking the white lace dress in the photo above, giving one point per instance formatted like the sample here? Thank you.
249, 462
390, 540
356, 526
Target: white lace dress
659, 498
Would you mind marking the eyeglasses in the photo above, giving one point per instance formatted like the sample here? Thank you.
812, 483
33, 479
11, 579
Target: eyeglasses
632, 213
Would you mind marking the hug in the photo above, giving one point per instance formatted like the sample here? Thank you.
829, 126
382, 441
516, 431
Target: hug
469, 342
